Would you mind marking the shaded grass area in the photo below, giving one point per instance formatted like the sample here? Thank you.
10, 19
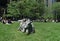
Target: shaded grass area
44, 32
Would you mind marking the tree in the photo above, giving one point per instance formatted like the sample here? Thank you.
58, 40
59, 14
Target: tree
56, 11
26, 8
12, 9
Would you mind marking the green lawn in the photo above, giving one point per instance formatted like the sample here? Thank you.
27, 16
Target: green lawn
44, 32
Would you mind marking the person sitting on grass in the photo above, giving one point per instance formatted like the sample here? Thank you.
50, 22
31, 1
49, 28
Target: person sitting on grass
9, 21
5, 21
26, 26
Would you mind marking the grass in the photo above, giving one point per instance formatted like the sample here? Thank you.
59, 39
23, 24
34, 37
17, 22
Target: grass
44, 32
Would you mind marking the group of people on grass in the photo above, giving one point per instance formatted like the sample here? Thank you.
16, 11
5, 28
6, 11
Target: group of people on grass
5, 21
26, 25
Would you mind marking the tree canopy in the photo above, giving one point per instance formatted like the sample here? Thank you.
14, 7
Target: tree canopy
26, 8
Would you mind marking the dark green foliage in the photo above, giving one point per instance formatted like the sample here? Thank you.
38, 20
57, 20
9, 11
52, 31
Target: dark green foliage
12, 9
56, 10
26, 8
